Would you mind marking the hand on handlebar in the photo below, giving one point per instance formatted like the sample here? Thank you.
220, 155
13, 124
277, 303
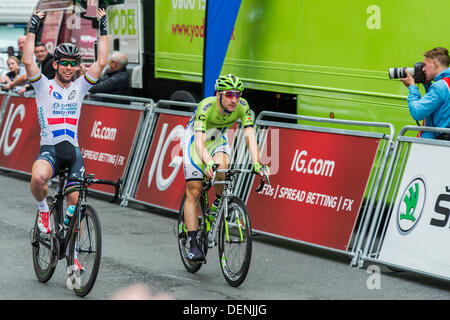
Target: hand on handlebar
263, 171
211, 166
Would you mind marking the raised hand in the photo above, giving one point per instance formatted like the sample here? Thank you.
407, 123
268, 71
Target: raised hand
101, 15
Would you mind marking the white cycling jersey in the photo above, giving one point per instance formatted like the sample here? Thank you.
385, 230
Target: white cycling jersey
59, 108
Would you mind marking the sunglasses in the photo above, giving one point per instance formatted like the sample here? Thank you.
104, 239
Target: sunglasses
232, 94
65, 63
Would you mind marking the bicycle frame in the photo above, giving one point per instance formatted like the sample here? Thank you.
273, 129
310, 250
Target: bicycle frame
230, 228
59, 201
223, 206
64, 239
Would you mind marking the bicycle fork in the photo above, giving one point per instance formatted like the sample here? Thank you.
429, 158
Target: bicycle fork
235, 221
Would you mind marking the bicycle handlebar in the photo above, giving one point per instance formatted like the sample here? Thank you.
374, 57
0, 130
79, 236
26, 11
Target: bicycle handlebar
232, 172
89, 179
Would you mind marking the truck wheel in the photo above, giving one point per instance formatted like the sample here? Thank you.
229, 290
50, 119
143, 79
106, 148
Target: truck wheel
183, 96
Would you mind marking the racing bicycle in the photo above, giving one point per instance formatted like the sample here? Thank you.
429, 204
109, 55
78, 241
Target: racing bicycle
82, 238
229, 228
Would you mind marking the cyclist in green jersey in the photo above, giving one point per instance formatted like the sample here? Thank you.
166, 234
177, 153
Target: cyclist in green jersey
205, 144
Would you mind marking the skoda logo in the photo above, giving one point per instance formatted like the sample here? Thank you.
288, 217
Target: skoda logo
411, 205
57, 95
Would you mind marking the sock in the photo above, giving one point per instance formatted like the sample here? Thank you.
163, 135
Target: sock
43, 206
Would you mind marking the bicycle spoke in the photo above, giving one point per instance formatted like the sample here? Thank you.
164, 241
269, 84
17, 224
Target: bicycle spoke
45, 248
86, 249
235, 243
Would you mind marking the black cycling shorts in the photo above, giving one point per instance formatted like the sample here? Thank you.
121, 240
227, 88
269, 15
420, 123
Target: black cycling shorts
63, 155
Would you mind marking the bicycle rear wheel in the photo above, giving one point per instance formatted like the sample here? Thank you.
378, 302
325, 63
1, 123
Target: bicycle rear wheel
235, 242
45, 248
182, 235
86, 247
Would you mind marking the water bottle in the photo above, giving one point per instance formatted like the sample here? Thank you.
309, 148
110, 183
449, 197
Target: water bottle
69, 214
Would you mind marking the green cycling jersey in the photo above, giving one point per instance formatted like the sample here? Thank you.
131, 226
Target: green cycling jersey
208, 115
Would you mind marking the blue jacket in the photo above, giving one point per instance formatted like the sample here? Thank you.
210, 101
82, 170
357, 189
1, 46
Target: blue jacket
434, 106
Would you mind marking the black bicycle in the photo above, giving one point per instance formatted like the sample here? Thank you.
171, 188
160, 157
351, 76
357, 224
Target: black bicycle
229, 227
81, 240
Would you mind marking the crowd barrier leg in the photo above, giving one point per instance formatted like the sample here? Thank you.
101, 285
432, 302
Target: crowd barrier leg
138, 160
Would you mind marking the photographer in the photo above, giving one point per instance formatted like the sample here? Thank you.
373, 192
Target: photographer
434, 106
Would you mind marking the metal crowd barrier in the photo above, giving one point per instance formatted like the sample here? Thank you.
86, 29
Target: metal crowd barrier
375, 186
368, 238
150, 123
386, 224
139, 103
136, 104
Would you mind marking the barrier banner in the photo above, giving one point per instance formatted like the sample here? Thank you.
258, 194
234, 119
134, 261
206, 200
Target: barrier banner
418, 233
316, 194
162, 182
19, 135
106, 136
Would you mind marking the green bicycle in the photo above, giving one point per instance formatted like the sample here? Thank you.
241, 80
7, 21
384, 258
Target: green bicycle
229, 228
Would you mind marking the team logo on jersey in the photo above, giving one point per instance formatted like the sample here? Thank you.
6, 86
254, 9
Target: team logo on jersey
57, 95
206, 107
72, 95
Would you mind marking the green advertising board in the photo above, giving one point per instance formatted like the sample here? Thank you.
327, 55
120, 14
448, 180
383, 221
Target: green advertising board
334, 55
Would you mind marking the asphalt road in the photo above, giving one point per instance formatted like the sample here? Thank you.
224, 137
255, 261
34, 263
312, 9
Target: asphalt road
139, 247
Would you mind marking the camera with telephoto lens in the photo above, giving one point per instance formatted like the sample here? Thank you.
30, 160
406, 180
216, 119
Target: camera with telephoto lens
416, 72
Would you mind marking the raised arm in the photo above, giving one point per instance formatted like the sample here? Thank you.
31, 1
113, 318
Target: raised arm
28, 49
96, 68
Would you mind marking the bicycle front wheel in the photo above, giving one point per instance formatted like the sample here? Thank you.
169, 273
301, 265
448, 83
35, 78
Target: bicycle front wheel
85, 252
235, 242
45, 248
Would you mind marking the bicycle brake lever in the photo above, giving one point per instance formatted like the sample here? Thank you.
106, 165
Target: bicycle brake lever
117, 187
261, 186
209, 185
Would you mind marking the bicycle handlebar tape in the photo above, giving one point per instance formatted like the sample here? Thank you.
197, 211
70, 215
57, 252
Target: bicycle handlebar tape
35, 22
103, 26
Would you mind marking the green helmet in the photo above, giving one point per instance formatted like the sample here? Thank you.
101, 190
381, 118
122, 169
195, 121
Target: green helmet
229, 82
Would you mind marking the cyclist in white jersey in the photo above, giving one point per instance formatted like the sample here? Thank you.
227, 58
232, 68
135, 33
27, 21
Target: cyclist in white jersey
59, 104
